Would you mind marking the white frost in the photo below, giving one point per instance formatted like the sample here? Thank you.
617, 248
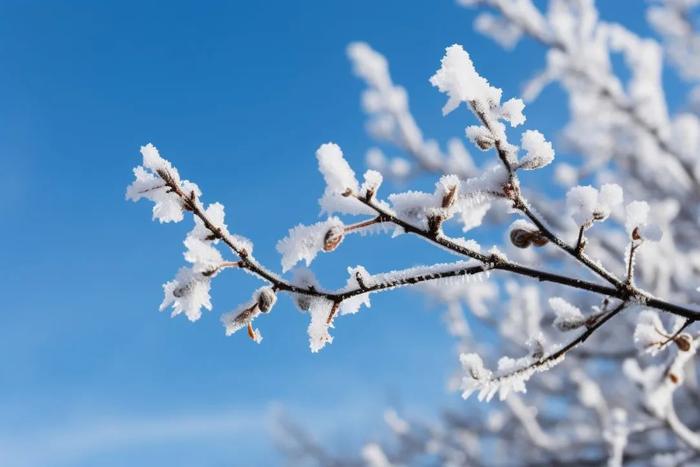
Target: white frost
539, 151
458, 78
188, 293
568, 316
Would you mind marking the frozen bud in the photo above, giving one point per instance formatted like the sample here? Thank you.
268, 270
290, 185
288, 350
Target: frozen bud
335, 169
266, 299
481, 136
524, 238
539, 151
683, 342
523, 235
636, 235
567, 316
536, 348
333, 237
303, 302
449, 199
373, 180
638, 225
240, 318
448, 189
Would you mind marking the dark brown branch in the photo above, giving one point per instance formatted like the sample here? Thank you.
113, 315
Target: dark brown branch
622, 292
512, 191
489, 262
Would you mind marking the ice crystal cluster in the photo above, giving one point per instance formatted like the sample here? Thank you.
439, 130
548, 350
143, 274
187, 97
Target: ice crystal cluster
588, 304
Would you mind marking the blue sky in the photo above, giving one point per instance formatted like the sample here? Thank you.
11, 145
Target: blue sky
238, 96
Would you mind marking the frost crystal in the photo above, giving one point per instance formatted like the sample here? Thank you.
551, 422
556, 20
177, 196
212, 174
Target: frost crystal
587, 205
568, 316
510, 376
335, 169
480, 136
340, 180
458, 78
187, 293
512, 110
150, 185
372, 182
358, 278
539, 152
215, 213
636, 222
204, 257
650, 334
319, 309
582, 201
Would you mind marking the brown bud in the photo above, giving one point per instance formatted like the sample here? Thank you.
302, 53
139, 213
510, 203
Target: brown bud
449, 198
524, 238
484, 142
636, 235
360, 280
674, 378
303, 302
266, 299
683, 341
539, 240
183, 290
333, 238
598, 216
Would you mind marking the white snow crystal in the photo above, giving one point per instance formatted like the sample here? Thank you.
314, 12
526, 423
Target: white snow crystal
510, 376
587, 204
203, 256
148, 184
582, 201
340, 178
609, 197
512, 110
458, 78
187, 293
319, 309
539, 151
215, 213
647, 337
480, 136
352, 305
637, 214
372, 182
335, 169
568, 316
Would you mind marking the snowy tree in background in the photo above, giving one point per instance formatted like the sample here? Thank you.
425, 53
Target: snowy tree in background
592, 312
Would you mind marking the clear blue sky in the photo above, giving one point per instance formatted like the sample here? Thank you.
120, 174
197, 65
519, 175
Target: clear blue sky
238, 95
